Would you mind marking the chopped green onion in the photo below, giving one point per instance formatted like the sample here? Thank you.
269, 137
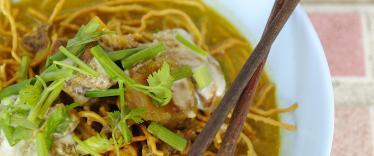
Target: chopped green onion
76, 48
41, 81
22, 72
51, 68
79, 62
125, 131
94, 145
13, 89
143, 55
54, 122
174, 140
18, 120
41, 144
121, 54
157, 89
86, 149
116, 147
30, 94
90, 37
202, 76
110, 67
72, 106
181, 72
117, 122
56, 75
72, 67
51, 98
21, 133
192, 46
102, 93
35, 112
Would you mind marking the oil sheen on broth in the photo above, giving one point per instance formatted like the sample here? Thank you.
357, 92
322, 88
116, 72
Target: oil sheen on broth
266, 141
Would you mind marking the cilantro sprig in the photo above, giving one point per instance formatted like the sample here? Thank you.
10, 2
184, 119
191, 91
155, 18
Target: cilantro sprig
94, 145
159, 88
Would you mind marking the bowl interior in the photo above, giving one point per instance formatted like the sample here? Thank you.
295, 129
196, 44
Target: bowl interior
298, 67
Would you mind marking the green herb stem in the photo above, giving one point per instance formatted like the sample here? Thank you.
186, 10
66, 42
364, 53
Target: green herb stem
126, 132
110, 67
85, 147
13, 89
22, 72
145, 54
191, 45
79, 62
35, 112
51, 98
56, 75
181, 72
102, 93
72, 106
41, 144
76, 48
202, 76
124, 53
174, 140
72, 68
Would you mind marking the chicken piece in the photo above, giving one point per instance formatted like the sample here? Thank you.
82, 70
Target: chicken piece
77, 86
117, 42
186, 97
63, 143
20, 149
37, 40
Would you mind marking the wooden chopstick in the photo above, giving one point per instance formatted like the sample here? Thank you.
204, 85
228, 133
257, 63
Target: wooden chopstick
249, 69
239, 115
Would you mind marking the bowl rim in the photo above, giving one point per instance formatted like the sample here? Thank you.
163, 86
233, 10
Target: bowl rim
234, 11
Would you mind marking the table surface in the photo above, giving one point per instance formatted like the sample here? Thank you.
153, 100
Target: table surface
346, 30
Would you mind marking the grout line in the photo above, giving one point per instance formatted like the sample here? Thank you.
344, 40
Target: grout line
369, 40
366, 45
353, 93
340, 7
352, 78
371, 113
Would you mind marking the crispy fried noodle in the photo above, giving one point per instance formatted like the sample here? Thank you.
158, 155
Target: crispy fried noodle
123, 77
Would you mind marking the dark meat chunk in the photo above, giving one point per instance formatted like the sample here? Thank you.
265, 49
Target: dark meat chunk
37, 40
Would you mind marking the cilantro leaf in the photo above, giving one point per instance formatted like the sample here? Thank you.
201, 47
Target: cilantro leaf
160, 83
86, 34
118, 123
30, 94
94, 145
13, 120
57, 121
135, 115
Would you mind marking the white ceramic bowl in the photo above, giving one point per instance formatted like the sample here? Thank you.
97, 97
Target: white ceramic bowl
298, 66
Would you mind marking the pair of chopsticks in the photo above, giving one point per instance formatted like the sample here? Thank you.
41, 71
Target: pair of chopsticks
241, 92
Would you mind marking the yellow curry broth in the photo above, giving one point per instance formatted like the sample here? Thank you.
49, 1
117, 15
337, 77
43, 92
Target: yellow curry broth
217, 31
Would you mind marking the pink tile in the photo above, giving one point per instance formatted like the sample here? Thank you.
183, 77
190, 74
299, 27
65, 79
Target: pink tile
352, 135
342, 39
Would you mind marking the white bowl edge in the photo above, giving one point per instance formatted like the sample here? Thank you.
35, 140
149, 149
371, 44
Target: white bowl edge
298, 67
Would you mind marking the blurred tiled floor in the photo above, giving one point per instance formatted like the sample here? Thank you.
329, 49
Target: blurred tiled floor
346, 30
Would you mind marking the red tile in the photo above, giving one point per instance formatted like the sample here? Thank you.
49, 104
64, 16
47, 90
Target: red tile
352, 136
342, 39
